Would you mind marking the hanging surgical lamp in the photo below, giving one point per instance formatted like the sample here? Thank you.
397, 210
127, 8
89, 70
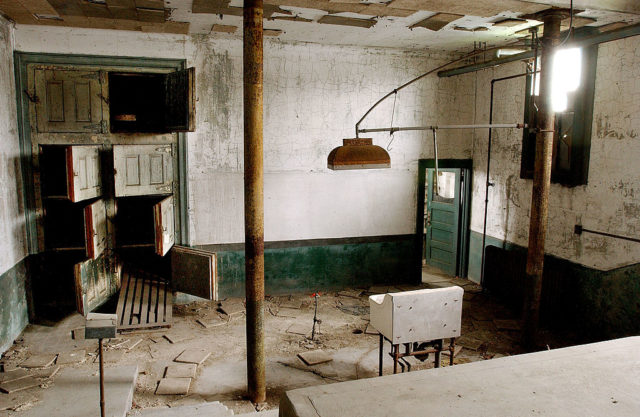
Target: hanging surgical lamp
361, 153
358, 153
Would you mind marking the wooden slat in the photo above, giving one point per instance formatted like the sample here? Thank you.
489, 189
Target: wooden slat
144, 302
123, 295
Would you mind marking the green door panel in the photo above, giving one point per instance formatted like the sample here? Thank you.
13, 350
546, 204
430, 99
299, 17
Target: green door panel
442, 219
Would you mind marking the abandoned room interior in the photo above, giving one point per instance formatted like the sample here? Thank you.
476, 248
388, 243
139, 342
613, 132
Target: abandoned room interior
319, 208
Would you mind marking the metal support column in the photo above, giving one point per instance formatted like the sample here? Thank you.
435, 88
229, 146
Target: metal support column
541, 179
254, 198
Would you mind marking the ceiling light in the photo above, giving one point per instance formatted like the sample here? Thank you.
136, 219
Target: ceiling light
565, 76
358, 153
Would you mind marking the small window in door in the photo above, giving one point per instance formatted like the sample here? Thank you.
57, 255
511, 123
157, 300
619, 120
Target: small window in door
156, 103
444, 187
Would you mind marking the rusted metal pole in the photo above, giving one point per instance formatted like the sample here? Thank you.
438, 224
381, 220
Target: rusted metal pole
541, 179
254, 198
100, 353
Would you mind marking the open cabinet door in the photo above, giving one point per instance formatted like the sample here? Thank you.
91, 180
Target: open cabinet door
142, 169
193, 271
180, 101
95, 228
164, 230
84, 180
94, 285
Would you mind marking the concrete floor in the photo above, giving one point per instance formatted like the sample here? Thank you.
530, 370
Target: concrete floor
222, 376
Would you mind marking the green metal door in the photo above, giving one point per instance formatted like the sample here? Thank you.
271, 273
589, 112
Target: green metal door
442, 217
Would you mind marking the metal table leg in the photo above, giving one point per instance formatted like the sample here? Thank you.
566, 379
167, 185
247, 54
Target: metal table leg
380, 355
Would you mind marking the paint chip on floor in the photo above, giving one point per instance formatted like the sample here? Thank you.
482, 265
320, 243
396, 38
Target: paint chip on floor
173, 386
314, 357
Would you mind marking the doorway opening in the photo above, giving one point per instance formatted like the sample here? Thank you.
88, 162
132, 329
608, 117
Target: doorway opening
444, 204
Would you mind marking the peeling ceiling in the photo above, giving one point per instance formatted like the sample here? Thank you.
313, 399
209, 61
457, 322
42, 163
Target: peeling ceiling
410, 24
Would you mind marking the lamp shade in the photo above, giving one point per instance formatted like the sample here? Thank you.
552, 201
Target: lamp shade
358, 153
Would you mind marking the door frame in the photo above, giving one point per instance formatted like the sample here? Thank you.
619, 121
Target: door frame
465, 212
21, 61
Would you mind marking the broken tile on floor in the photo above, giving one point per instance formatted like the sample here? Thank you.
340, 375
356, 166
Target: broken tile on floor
173, 386
17, 401
371, 330
19, 384
174, 338
240, 406
507, 324
77, 334
299, 328
13, 375
232, 307
181, 370
212, 322
39, 361
46, 373
314, 357
71, 357
196, 356
110, 356
288, 312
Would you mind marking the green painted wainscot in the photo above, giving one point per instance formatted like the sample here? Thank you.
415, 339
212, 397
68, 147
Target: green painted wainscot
594, 304
321, 265
14, 313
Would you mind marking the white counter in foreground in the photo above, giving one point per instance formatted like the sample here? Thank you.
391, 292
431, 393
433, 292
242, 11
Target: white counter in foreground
599, 379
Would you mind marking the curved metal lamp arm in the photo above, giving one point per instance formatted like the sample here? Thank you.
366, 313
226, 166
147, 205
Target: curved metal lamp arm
419, 77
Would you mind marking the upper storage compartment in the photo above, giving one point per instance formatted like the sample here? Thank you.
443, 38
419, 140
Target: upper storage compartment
68, 101
156, 103
70, 172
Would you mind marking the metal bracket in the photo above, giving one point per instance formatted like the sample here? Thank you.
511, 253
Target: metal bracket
32, 97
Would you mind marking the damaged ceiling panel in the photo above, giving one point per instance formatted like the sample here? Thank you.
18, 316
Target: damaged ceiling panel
409, 24
437, 21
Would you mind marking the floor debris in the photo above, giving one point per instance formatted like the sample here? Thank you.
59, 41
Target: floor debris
174, 339
71, 357
19, 384
354, 309
211, 322
232, 307
196, 356
39, 361
173, 386
181, 370
314, 357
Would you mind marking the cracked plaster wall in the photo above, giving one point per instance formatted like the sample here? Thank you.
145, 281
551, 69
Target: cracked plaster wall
610, 202
12, 221
313, 96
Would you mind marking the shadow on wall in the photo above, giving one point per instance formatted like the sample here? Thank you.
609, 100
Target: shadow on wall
594, 304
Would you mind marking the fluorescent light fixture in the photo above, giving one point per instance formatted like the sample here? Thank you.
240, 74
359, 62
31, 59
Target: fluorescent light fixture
507, 52
565, 76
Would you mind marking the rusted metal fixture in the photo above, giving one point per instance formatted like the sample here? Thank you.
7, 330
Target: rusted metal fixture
541, 178
100, 353
358, 153
578, 230
254, 198
437, 346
